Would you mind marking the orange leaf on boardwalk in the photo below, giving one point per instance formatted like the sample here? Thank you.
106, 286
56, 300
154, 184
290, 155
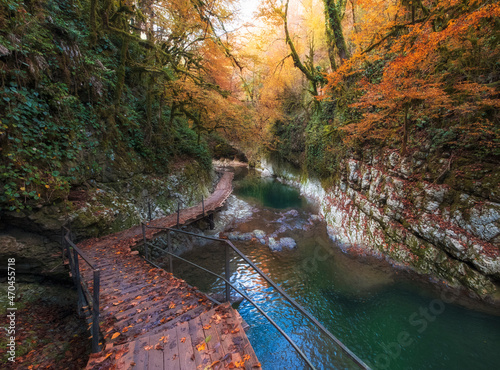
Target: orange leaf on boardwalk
183, 340
201, 347
206, 327
115, 335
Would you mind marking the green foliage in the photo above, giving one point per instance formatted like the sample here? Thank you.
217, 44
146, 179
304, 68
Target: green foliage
35, 145
61, 124
324, 147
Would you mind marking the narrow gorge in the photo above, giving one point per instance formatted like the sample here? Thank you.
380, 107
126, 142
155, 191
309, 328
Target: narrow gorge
385, 205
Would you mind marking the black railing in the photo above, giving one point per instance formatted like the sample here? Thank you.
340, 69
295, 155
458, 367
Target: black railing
229, 285
86, 299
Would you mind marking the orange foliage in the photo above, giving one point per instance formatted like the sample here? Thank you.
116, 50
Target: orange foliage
435, 68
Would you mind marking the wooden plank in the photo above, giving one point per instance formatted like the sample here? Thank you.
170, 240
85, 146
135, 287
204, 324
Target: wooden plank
214, 344
155, 359
125, 361
185, 347
186, 316
198, 341
141, 356
171, 350
225, 335
240, 341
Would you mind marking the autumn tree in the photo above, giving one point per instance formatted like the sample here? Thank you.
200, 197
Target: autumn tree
435, 78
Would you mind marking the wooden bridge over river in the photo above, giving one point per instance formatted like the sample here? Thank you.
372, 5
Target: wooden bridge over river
151, 320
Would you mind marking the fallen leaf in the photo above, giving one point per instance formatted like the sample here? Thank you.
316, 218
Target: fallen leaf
206, 327
183, 340
201, 347
147, 348
257, 365
159, 346
115, 335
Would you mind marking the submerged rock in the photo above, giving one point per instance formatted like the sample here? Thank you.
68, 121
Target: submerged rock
291, 213
259, 234
233, 235
278, 245
273, 245
288, 243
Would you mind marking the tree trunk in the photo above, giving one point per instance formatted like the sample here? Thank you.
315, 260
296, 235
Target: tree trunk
93, 22
309, 74
335, 33
120, 74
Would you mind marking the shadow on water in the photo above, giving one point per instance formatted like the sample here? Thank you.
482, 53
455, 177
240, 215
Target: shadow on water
383, 315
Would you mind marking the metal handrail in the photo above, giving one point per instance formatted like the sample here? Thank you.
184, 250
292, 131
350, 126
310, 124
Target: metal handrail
305, 313
81, 286
290, 340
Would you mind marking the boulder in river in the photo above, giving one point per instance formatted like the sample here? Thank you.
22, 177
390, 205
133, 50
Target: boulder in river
259, 234
287, 243
278, 245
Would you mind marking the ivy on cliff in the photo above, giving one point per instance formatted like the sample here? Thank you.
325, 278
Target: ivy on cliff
89, 85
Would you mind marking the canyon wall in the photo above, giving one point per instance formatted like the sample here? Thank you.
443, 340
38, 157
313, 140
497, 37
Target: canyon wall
387, 205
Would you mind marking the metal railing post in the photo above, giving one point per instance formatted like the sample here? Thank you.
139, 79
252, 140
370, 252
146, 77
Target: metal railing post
169, 247
228, 275
77, 281
203, 205
146, 250
95, 312
149, 210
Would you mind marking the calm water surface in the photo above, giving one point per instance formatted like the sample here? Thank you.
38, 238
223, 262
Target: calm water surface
389, 320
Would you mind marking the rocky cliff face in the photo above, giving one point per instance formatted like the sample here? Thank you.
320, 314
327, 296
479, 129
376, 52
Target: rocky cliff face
388, 205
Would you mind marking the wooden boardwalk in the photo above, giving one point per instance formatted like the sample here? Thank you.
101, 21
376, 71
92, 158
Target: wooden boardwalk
152, 320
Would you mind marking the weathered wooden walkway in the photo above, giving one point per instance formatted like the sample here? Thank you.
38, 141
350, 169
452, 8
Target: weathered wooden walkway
152, 320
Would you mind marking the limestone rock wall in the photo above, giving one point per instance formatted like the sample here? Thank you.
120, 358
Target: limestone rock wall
383, 205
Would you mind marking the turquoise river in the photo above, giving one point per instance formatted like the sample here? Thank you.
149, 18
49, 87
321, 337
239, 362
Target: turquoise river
390, 318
